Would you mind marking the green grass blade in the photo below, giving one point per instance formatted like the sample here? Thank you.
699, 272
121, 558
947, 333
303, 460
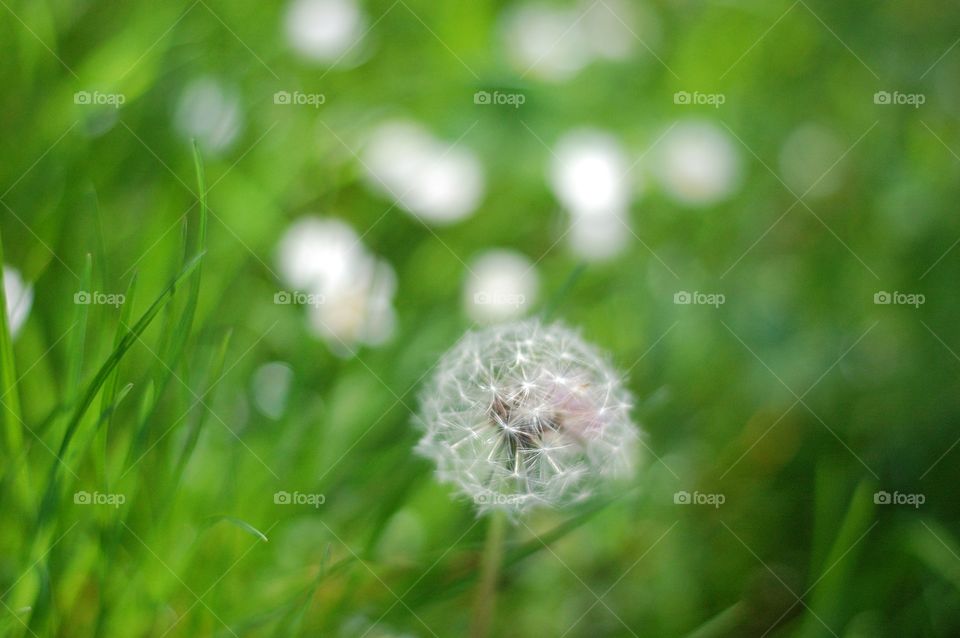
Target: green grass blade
181, 332
128, 340
216, 370
10, 405
81, 313
236, 522
829, 595
107, 399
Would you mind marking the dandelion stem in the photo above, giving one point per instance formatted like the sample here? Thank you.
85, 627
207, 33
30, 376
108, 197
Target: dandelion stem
486, 594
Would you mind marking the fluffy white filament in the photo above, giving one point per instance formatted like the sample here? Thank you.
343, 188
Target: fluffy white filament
526, 414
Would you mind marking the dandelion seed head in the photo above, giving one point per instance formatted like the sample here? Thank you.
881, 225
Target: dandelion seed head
526, 414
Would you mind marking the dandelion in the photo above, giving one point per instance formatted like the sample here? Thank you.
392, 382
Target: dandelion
19, 299
527, 414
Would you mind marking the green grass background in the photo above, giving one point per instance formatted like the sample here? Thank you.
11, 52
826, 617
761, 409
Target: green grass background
96, 198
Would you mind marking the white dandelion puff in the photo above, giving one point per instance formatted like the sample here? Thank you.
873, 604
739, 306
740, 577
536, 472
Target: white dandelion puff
527, 414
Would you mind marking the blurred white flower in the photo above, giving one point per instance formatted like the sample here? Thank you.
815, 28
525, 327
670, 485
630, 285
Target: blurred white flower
361, 313
434, 180
588, 173
599, 237
271, 388
501, 284
353, 289
526, 414
210, 113
545, 41
324, 30
698, 163
321, 255
19, 298
809, 161
590, 176
610, 28
555, 43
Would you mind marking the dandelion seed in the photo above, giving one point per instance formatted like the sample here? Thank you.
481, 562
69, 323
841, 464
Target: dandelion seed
526, 414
